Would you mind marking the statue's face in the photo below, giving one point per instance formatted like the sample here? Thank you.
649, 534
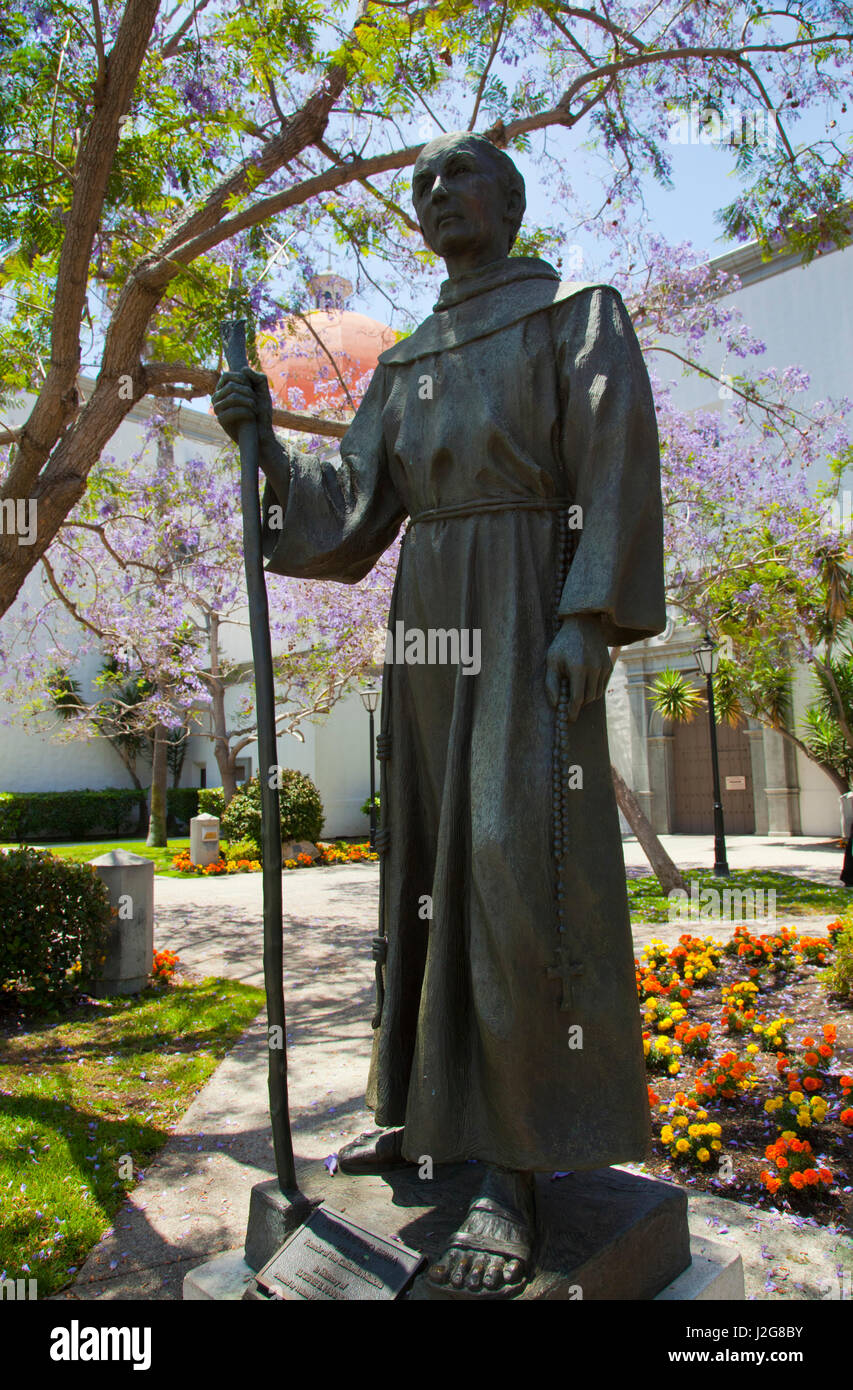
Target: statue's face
460, 201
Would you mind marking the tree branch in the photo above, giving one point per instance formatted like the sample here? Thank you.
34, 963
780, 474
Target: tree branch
319, 341
170, 47
57, 401
163, 378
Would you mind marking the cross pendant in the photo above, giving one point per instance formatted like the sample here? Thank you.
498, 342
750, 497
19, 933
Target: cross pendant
567, 972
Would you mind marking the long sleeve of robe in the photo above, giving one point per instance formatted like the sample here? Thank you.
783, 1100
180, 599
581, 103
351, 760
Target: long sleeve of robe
518, 398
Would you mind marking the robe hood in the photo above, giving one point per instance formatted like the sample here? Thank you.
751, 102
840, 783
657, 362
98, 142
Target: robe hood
484, 302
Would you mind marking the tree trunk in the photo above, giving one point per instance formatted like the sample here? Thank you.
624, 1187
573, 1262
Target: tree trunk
159, 782
225, 757
225, 761
666, 872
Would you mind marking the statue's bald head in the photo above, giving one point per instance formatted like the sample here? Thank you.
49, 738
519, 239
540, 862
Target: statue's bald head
438, 154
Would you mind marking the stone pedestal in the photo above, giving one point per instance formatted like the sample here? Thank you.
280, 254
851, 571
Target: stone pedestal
130, 952
204, 839
607, 1235
611, 1235
273, 1216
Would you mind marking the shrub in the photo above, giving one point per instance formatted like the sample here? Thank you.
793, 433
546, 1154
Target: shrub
241, 849
365, 810
301, 810
181, 805
73, 815
211, 801
54, 924
841, 974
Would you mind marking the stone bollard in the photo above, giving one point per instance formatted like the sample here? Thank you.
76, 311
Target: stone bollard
204, 839
130, 952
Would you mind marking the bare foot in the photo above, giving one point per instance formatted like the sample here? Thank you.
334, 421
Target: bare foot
491, 1251
376, 1151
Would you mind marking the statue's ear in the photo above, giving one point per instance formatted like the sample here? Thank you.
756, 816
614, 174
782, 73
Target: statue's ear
513, 202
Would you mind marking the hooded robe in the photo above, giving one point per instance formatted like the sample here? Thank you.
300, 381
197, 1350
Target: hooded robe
518, 398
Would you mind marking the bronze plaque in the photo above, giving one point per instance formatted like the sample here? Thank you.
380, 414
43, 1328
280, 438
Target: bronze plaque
331, 1259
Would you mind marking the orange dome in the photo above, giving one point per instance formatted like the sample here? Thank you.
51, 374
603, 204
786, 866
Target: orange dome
301, 376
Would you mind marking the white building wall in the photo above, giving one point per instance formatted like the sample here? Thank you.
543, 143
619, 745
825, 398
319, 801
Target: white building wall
803, 314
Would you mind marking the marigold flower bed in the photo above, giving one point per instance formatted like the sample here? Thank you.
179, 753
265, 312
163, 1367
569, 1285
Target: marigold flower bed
761, 1111
338, 853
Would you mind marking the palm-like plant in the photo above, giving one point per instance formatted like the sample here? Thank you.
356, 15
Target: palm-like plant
675, 697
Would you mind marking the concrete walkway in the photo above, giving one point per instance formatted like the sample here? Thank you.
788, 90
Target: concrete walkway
193, 1201
819, 859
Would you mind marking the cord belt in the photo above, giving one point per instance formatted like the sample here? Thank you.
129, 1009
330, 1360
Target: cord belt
491, 504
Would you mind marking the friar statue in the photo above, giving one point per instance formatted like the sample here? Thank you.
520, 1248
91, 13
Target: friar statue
514, 432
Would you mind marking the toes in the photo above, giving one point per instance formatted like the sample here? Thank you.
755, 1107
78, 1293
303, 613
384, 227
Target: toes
475, 1274
513, 1271
439, 1273
460, 1268
494, 1275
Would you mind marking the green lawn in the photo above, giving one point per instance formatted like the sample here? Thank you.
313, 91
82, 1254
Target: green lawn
92, 849
795, 897
75, 1096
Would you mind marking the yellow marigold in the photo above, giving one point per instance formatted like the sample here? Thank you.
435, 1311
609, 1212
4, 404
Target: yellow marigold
682, 1146
666, 1134
703, 1155
715, 1129
694, 1131
796, 1097
716, 1144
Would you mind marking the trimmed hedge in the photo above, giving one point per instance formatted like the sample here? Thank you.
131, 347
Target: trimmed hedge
301, 810
182, 804
74, 815
55, 918
86, 815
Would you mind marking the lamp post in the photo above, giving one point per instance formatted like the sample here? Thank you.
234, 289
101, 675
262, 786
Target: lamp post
370, 699
708, 659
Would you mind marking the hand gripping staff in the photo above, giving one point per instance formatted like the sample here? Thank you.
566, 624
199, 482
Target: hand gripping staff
234, 341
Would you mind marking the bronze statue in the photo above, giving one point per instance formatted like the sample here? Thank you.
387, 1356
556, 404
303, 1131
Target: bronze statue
515, 429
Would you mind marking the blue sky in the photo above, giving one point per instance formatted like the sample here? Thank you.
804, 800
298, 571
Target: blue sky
703, 181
